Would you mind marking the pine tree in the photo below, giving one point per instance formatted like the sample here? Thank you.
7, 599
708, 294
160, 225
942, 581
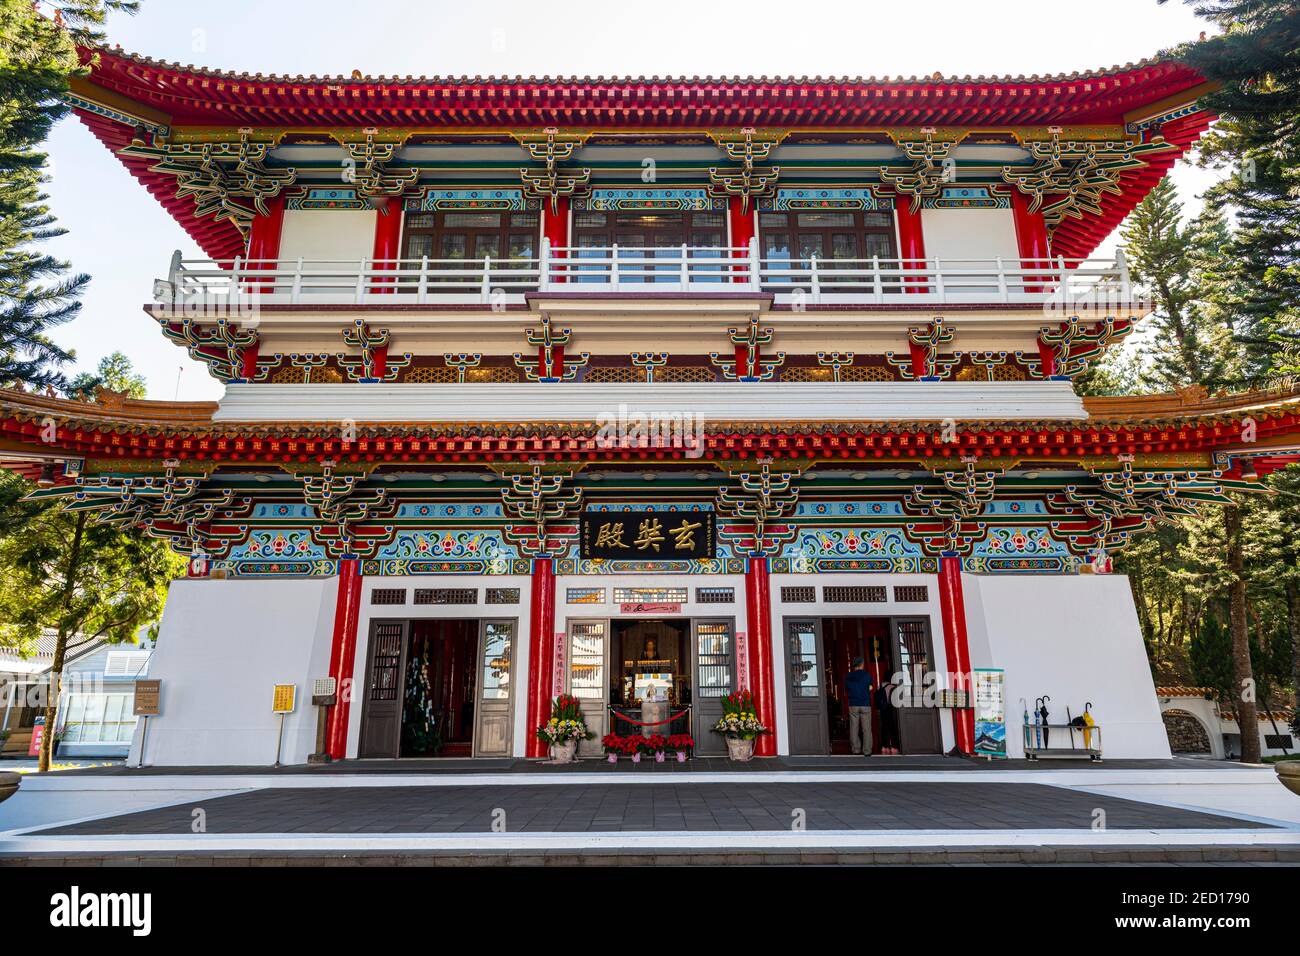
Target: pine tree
1256, 59
1169, 261
38, 54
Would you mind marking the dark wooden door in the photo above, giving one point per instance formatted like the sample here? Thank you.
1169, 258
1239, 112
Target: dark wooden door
918, 724
806, 700
381, 707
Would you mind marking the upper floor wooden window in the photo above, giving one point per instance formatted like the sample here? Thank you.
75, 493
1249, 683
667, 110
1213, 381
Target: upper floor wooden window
831, 235
471, 235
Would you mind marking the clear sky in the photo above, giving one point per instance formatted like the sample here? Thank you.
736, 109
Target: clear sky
122, 237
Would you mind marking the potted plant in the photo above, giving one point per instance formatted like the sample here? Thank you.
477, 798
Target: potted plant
740, 725
564, 729
614, 745
655, 744
683, 744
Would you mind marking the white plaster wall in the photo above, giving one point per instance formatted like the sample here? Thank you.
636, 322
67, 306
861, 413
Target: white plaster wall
328, 234
519, 613
1076, 639
222, 646
956, 234
888, 608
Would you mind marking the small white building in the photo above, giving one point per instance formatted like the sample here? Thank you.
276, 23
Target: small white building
96, 711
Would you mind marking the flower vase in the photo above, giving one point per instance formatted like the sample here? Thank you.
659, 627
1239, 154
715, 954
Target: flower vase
636, 758
613, 758
659, 756
739, 749
681, 756
564, 752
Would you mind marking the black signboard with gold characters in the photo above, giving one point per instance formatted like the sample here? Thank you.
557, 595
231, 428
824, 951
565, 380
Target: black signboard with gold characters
647, 535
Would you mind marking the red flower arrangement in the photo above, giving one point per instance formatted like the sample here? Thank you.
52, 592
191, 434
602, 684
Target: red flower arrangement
681, 742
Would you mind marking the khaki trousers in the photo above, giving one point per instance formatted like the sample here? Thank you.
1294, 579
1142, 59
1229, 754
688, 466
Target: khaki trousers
860, 730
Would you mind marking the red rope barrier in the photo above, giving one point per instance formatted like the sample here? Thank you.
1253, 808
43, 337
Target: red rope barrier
651, 723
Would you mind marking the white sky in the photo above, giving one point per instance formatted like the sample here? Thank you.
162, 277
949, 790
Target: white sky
122, 237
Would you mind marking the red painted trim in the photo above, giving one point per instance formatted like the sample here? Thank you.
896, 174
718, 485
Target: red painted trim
541, 652
343, 655
555, 229
758, 609
911, 239
388, 234
952, 610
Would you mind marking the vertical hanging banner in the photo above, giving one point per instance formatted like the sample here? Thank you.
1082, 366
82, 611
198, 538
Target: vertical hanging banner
557, 682
990, 712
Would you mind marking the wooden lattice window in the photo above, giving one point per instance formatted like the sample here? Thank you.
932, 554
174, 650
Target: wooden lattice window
911, 594
431, 375
446, 595
715, 595
501, 596
685, 373
620, 374
494, 373
799, 594
388, 596
584, 596
293, 375
806, 373
866, 373
387, 663
854, 594
650, 595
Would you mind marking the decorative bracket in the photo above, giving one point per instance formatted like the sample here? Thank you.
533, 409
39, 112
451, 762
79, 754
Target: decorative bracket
551, 364
374, 364
760, 499
370, 155
923, 361
539, 499
928, 150
747, 146
551, 148
748, 363
650, 361
1077, 170
219, 173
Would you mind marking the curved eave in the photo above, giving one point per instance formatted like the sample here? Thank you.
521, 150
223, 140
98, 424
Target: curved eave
196, 96
152, 431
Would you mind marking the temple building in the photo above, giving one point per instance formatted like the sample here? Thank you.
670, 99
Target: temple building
641, 389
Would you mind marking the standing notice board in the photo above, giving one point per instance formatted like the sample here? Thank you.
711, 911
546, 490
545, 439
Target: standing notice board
990, 712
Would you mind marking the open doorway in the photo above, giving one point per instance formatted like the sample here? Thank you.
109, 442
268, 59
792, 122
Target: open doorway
650, 659
819, 654
438, 688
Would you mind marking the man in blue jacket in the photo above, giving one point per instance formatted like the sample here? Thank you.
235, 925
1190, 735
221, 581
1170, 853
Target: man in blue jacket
858, 686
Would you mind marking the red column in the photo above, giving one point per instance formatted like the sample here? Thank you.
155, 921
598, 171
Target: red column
920, 367
388, 234
758, 607
264, 233
343, 655
952, 607
1046, 357
541, 656
742, 231
911, 240
264, 237
1031, 237
555, 227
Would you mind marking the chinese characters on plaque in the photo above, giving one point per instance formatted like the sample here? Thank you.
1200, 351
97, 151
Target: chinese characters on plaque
647, 535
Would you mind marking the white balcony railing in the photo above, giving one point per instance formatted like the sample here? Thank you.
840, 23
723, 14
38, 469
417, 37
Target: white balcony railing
693, 269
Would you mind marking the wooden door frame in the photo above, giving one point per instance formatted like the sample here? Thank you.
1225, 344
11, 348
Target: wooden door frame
823, 708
